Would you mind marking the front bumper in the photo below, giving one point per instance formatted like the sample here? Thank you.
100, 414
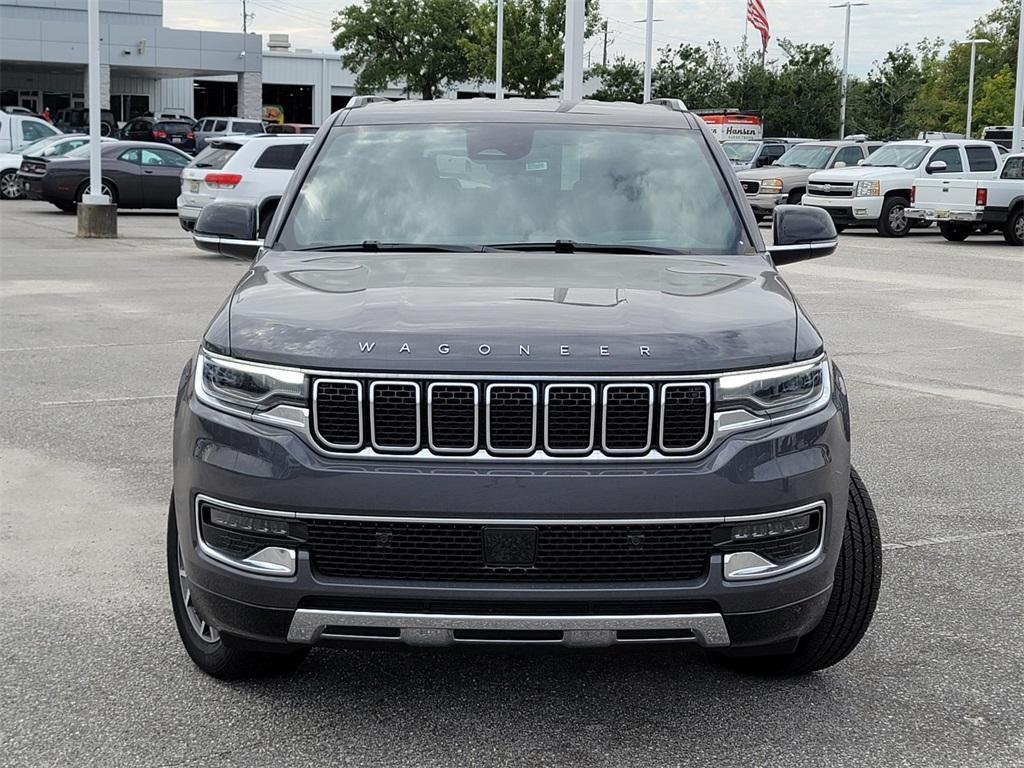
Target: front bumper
268, 467
848, 210
766, 203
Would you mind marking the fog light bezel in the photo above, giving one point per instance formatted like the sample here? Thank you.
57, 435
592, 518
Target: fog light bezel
740, 564
277, 557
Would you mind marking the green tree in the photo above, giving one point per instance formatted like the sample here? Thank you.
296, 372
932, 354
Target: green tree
623, 80
993, 104
533, 45
415, 43
805, 101
699, 75
880, 105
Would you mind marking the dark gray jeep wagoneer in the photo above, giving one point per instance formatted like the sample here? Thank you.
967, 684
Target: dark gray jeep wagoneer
516, 372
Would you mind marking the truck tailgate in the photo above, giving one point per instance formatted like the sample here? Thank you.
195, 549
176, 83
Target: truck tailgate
946, 194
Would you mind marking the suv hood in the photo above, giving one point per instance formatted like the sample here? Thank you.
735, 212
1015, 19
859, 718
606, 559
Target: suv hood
862, 172
498, 312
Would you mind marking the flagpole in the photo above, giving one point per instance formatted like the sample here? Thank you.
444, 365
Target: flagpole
746, 25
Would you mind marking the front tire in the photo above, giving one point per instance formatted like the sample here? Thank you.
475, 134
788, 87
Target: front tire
852, 602
10, 189
956, 233
894, 222
203, 642
1013, 232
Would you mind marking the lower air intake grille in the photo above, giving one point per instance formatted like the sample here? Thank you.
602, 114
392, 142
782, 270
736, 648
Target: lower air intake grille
557, 553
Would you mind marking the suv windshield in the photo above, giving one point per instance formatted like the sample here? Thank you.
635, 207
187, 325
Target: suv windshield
806, 156
898, 156
740, 151
488, 184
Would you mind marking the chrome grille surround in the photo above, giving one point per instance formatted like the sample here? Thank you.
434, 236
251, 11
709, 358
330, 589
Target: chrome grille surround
433, 443
397, 386
491, 443
551, 417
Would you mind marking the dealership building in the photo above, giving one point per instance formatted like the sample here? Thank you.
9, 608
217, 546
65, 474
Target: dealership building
147, 67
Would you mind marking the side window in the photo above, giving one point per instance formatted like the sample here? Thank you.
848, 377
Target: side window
219, 126
1014, 169
172, 159
849, 155
283, 157
129, 156
951, 157
149, 157
32, 131
980, 158
772, 152
200, 126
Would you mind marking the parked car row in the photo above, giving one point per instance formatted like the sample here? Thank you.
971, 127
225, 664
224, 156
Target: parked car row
965, 185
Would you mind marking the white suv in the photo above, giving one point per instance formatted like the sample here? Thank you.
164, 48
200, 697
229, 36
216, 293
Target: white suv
878, 190
251, 169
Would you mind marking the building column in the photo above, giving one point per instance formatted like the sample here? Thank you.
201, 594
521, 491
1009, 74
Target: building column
250, 95
104, 86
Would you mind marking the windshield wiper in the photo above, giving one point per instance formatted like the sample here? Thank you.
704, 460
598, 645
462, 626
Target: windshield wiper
372, 246
572, 246
880, 165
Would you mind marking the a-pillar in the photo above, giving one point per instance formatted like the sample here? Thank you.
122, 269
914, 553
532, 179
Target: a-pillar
250, 95
104, 86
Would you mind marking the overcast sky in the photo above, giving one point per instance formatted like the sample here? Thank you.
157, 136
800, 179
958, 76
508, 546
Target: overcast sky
877, 28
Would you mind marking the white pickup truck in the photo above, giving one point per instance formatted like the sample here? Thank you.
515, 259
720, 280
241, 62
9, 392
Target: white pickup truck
877, 191
963, 206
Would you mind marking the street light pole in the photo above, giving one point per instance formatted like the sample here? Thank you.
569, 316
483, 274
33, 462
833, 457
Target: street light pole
95, 181
1018, 102
846, 65
648, 50
499, 92
572, 72
970, 83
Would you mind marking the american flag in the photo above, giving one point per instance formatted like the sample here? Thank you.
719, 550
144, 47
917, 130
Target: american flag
758, 17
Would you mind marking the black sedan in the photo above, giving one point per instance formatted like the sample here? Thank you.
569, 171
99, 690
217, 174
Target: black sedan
135, 175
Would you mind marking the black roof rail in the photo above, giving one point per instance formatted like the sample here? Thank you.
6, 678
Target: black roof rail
676, 105
361, 101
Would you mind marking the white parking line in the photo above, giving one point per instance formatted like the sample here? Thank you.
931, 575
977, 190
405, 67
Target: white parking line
936, 540
101, 400
98, 345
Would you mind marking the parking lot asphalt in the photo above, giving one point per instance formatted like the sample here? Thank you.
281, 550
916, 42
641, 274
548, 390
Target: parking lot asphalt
93, 336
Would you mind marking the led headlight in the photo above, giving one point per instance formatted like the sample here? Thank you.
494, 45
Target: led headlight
776, 390
868, 189
234, 383
771, 186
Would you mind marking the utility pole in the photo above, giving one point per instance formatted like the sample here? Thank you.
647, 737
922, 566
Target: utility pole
1018, 102
846, 65
499, 52
246, 16
604, 54
97, 215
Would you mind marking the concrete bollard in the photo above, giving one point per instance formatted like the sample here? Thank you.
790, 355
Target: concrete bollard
97, 220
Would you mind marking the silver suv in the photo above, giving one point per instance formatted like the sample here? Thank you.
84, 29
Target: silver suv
215, 127
785, 181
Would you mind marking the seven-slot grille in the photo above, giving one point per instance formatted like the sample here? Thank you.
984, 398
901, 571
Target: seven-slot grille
427, 551
751, 187
511, 418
